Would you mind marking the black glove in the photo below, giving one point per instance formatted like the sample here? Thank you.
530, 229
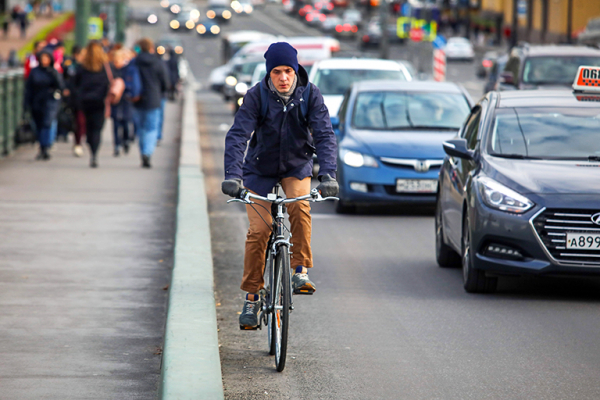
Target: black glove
232, 187
328, 186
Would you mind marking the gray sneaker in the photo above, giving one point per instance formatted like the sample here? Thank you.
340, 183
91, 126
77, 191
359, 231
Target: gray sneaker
301, 284
250, 314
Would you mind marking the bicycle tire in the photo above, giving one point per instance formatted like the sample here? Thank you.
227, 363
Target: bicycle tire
282, 306
268, 277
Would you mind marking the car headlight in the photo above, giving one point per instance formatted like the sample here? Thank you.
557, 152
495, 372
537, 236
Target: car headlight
231, 80
215, 30
499, 197
357, 160
152, 19
241, 88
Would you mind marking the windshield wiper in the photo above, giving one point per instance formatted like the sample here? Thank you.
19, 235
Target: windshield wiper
516, 156
594, 158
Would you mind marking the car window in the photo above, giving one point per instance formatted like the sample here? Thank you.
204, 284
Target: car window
344, 106
546, 133
402, 110
337, 81
560, 70
471, 131
513, 66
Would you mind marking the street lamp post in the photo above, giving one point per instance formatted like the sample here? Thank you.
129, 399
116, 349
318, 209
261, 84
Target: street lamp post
82, 15
383, 17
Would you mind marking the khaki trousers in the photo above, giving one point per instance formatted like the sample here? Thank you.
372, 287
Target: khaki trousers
259, 232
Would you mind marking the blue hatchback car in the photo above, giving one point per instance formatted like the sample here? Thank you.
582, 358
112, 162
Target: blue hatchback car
390, 137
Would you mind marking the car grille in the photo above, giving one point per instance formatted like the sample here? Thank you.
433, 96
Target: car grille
552, 226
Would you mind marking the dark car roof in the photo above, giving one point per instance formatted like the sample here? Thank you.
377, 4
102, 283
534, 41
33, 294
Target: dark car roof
558, 50
543, 98
390, 85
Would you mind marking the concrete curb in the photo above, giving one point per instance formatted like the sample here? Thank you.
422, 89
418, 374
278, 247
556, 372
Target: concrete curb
191, 366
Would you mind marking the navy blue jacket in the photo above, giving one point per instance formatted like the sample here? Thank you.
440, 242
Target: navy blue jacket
40, 89
282, 145
155, 80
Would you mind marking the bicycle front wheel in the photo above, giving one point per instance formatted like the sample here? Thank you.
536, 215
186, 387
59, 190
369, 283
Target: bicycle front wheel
282, 306
270, 291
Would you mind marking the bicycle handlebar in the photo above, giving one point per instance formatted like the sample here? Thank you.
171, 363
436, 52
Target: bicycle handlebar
246, 196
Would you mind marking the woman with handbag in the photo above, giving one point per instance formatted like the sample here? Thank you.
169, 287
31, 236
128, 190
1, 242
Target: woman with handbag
43, 92
93, 83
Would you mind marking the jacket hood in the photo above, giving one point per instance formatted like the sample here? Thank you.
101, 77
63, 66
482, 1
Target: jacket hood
48, 53
146, 58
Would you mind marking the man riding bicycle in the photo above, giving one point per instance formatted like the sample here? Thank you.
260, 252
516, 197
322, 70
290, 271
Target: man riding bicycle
280, 150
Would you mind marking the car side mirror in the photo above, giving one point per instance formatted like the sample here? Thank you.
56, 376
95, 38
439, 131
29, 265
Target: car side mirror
507, 78
335, 124
458, 148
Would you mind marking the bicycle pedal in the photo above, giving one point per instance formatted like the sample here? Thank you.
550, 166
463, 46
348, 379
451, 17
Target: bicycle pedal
249, 328
304, 291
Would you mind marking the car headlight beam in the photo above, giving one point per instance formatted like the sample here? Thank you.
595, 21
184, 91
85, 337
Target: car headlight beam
241, 88
231, 80
357, 160
499, 197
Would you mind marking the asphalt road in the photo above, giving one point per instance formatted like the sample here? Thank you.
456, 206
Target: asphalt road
386, 322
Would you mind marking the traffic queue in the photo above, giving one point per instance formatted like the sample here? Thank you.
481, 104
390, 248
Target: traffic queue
513, 177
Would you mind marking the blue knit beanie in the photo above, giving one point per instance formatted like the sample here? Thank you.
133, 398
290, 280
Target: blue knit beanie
281, 53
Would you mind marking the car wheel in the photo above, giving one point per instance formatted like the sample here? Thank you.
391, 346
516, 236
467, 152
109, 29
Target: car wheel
444, 255
474, 280
343, 208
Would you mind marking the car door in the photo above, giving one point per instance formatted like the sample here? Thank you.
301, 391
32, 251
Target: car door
458, 171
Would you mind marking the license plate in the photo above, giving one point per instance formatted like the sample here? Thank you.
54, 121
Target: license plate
583, 241
416, 185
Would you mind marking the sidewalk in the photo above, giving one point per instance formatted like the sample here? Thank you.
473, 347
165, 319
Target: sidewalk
85, 260
14, 41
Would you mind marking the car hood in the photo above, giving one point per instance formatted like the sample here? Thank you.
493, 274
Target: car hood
544, 176
403, 144
333, 103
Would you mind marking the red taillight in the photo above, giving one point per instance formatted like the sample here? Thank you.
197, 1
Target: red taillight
309, 17
322, 17
347, 27
354, 29
487, 63
330, 6
366, 38
339, 28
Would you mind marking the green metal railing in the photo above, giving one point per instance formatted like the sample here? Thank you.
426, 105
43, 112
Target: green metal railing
12, 87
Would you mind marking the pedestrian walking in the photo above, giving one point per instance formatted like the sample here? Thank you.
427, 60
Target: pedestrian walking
121, 112
43, 91
163, 100
174, 77
147, 109
92, 83
71, 66
31, 61
5, 22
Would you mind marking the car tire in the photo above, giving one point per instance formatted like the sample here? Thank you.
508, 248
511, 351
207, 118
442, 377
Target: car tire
342, 207
474, 280
445, 256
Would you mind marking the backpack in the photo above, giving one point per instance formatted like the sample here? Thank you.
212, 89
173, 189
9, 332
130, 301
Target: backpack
133, 81
264, 102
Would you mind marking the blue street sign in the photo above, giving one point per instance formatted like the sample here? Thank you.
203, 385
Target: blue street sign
439, 42
405, 9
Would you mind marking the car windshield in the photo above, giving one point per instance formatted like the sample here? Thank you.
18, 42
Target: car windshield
337, 81
409, 110
546, 133
555, 70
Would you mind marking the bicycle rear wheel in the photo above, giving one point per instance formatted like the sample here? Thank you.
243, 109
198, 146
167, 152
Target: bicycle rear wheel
269, 314
282, 306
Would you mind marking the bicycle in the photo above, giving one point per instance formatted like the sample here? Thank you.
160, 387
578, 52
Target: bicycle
277, 294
